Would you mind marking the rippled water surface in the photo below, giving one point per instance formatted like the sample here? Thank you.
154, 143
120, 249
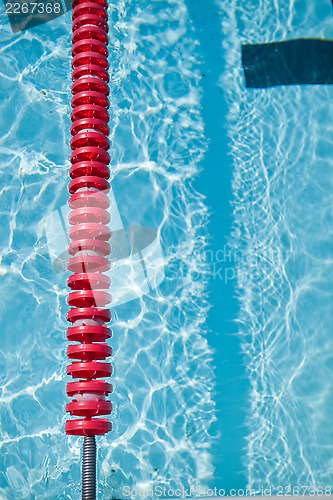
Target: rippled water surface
163, 371
166, 402
281, 144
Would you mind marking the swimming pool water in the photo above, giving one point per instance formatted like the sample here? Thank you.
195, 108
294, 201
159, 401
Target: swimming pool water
223, 370
280, 143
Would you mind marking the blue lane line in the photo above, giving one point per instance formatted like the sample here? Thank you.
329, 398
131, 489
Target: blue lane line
232, 390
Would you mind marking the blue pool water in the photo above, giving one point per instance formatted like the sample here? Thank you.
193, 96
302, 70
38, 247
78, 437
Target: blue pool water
223, 364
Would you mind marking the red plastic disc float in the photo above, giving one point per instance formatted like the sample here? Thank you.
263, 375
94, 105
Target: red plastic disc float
89, 248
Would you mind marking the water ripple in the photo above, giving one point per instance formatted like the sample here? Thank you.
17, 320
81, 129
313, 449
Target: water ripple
163, 364
281, 145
